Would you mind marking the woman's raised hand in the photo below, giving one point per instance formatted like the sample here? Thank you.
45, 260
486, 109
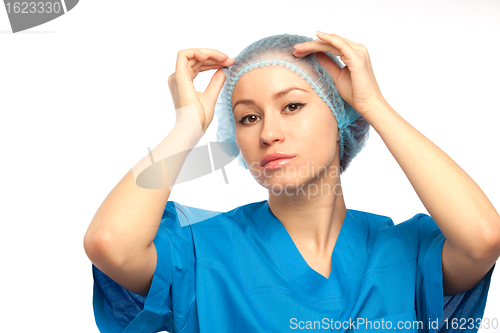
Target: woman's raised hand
189, 63
355, 82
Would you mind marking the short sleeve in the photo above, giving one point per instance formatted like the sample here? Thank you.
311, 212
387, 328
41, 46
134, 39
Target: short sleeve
169, 304
435, 311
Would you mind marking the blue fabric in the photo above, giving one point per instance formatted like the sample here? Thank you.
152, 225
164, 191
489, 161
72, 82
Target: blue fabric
240, 271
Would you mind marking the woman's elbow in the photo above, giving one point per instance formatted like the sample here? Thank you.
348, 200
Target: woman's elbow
488, 246
100, 248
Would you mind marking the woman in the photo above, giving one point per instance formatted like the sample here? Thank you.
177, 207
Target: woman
300, 260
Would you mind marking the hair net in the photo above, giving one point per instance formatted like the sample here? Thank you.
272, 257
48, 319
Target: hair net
277, 51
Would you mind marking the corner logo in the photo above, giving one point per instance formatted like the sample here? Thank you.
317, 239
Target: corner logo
28, 14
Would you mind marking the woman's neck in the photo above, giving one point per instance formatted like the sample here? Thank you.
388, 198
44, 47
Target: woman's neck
312, 221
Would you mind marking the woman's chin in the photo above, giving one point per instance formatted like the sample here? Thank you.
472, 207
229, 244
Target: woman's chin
282, 185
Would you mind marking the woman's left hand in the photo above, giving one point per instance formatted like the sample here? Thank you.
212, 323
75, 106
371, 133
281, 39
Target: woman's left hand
355, 82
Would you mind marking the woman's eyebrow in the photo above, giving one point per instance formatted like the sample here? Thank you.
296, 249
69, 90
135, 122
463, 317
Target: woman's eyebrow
275, 96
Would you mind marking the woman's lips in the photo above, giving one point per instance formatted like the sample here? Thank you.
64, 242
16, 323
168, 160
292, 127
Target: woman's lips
275, 164
274, 156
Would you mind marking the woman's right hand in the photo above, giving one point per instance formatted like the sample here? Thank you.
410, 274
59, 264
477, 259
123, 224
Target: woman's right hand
189, 63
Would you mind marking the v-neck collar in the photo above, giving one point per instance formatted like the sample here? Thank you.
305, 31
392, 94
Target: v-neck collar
343, 255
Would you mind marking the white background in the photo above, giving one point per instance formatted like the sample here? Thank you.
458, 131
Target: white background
83, 96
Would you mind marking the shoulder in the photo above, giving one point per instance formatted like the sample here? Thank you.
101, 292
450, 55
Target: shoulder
214, 239
179, 215
385, 238
417, 224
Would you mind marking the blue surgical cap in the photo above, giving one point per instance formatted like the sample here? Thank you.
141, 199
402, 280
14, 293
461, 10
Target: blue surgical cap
277, 51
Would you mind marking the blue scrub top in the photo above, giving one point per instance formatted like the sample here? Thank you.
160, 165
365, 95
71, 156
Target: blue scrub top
240, 271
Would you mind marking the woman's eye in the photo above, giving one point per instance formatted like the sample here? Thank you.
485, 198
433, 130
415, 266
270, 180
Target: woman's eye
294, 107
250, 117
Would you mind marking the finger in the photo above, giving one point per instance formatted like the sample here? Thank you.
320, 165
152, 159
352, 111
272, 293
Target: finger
195, 64
350, 42
343, 38
189, 57
354, 45
215, 85
183, 58
315, 46
347, 47
329, 65
329, 43
214, 54
211, 62
207, 68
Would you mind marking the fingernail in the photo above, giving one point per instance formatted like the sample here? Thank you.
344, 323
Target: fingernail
319, 32
298, 45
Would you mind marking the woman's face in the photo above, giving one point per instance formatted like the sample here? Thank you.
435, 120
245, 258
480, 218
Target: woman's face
272, 117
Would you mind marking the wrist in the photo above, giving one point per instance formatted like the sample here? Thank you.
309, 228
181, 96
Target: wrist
188, 115
375, 110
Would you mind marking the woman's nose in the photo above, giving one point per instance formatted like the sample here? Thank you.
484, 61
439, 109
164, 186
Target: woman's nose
272, 131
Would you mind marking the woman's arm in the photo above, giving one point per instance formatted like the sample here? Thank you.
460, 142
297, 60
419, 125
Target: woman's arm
459, 207
119, 240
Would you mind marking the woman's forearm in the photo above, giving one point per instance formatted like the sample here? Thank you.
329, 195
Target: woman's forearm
459, 207
127, 221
